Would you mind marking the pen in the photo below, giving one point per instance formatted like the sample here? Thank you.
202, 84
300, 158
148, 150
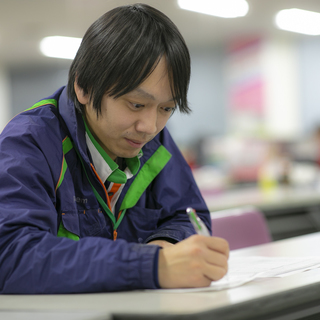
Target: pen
197, 223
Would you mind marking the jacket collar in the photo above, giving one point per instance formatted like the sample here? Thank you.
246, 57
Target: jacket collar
74, 123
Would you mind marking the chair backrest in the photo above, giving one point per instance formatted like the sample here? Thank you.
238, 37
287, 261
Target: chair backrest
241, 227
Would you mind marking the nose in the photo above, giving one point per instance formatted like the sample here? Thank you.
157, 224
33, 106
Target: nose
147, 121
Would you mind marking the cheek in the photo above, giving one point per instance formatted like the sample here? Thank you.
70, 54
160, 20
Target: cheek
162, 121
119, 126
124, 121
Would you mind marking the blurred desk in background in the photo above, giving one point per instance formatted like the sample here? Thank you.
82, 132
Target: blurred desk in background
289, 212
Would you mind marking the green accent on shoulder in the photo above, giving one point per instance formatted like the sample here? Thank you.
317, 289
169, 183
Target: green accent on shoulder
145, 176
64, 233
43, 103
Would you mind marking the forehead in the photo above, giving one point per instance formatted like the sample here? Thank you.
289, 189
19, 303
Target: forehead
141, 93
157, 85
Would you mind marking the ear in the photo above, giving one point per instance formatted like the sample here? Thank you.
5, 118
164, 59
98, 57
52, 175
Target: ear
82, 97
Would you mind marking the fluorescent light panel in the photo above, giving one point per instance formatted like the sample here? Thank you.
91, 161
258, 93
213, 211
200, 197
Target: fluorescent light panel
300, 21
219, 8
60, 47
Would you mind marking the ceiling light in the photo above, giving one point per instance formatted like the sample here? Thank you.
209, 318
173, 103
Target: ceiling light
219, 8
60, 47
300, 21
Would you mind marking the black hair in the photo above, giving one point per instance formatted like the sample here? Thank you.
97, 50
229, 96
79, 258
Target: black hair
122, 48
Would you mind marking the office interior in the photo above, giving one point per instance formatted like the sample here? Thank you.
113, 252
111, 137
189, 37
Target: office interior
253, 138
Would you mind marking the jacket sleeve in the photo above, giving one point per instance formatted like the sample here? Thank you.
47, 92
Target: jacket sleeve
175, 190
32, 258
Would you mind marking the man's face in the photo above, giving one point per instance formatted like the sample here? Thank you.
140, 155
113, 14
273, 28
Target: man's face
126, 124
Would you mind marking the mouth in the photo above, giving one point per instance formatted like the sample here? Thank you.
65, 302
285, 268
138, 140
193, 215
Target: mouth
135, 143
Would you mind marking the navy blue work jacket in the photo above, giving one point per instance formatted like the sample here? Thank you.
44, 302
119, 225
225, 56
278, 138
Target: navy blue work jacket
45, 189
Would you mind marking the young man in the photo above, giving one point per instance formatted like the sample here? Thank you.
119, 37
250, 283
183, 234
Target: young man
93, 190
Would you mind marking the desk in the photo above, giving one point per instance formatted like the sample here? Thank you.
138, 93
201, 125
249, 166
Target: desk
289, 212
289, 298
281, 197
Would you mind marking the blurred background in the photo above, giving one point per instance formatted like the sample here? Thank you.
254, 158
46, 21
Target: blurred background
253, 137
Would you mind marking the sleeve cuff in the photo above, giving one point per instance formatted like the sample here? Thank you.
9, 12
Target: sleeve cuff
155, 269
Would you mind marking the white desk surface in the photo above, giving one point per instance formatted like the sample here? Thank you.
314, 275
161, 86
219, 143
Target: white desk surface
238, 303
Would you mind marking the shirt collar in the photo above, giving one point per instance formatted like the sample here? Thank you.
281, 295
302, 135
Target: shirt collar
106, 168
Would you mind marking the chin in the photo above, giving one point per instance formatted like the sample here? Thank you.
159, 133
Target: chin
128, 154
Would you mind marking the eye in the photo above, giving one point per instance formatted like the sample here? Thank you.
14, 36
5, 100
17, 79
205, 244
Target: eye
169, 109
137, 105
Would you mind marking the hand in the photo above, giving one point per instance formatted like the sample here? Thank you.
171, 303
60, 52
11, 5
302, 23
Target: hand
193, 262
161, 243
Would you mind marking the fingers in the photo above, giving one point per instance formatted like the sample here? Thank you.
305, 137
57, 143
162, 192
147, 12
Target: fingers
218, 257
212, 253
216, 261
215, 272
213, 246
194, 262
217, 244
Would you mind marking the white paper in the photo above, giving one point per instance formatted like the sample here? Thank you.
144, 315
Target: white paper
245, 269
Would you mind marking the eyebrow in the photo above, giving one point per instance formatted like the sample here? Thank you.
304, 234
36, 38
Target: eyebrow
146, 94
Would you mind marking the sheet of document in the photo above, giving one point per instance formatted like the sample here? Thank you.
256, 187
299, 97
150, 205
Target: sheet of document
245, 269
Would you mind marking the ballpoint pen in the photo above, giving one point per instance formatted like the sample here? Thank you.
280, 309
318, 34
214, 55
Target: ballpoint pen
197, 223
200, 227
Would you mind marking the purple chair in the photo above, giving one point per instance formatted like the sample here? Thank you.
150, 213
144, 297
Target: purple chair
241, 227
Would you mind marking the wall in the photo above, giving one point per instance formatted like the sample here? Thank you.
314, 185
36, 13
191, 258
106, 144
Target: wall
29, 86
309, 71
207, 94
4, 97
206, 97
